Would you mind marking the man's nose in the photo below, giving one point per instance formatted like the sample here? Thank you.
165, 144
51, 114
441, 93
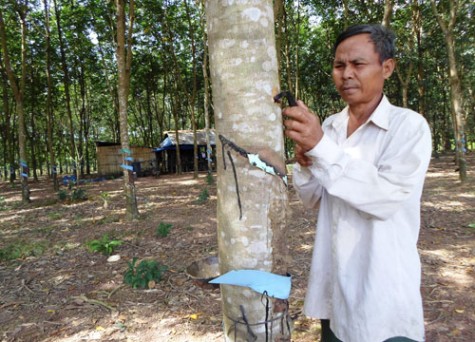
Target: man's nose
348, 72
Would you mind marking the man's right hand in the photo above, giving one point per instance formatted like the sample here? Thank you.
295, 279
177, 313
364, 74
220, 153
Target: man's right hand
303, 127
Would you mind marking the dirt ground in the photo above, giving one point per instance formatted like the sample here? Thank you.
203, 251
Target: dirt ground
59, 291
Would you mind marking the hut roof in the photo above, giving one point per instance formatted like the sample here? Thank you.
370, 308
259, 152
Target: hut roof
185, 139
111, 143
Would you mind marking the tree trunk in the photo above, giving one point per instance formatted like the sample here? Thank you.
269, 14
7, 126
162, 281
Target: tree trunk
31, 138
287, 51
180, 86
8, 136
455, 86
124, 61
252, 204
297, 46
388, 12
417, 19
191, 99
206, 95
49, 101
66, 81
18, 91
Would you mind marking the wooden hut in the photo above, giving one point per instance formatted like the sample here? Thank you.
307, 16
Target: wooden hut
110, 157
166, 153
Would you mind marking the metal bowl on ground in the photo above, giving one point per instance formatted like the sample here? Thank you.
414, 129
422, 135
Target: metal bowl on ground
204, 270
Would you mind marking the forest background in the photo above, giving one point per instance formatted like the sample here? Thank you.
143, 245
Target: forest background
62, 56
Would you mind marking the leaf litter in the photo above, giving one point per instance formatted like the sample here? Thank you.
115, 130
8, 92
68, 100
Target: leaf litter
63, 292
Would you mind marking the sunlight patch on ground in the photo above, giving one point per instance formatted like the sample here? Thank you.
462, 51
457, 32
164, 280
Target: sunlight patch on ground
9, 218
468, 196
433, 174
16, 230
306, 247
447, 269
172, 198
442, 254
188, 182
452, 205
455, 275
135, 329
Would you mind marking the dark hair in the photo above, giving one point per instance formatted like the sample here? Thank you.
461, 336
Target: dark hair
382, 37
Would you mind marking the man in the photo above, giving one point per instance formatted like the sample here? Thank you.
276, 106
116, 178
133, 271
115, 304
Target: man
365, 168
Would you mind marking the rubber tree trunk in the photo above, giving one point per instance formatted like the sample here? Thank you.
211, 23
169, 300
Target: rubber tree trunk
124, 60
458, 116
252, 204
49, 99
18, 89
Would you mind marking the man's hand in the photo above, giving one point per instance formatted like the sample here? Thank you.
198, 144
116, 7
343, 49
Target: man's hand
303, 127
300, 156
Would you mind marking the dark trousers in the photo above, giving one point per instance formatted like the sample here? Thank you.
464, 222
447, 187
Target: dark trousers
329, 336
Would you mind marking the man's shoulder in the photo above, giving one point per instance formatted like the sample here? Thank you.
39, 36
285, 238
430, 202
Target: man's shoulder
401, 116
398, 112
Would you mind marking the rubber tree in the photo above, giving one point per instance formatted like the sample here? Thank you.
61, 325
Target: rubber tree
67, 87
124, 64
448, 28
49, 99
252, 204
18, 89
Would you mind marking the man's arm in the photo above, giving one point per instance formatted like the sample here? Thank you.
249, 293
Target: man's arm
378, 190
304, 128
307, 186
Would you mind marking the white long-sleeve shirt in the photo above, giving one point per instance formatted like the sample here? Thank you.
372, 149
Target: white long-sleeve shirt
365, 273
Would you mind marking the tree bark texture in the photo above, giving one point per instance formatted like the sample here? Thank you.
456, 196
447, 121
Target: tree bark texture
18, 89
66, 81
124, 60
455, 85
206, 93
252, 204
49, 100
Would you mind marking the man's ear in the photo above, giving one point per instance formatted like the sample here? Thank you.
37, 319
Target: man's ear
388, 67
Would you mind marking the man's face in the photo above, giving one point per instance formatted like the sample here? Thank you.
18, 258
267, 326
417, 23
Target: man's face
357, 72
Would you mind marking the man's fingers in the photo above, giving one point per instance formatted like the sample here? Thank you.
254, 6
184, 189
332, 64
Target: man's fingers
294, 125
302, 126
301, 114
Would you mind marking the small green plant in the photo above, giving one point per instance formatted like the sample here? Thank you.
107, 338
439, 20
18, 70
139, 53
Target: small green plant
62, 195
203, 196
55, 215
163, 229
78, 195
209, 179
21, 249
105, 196
3, 204
104, 245
144, 275
73, 195
109, 219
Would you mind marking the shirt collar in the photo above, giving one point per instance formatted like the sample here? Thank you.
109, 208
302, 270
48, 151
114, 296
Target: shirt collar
380, 116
